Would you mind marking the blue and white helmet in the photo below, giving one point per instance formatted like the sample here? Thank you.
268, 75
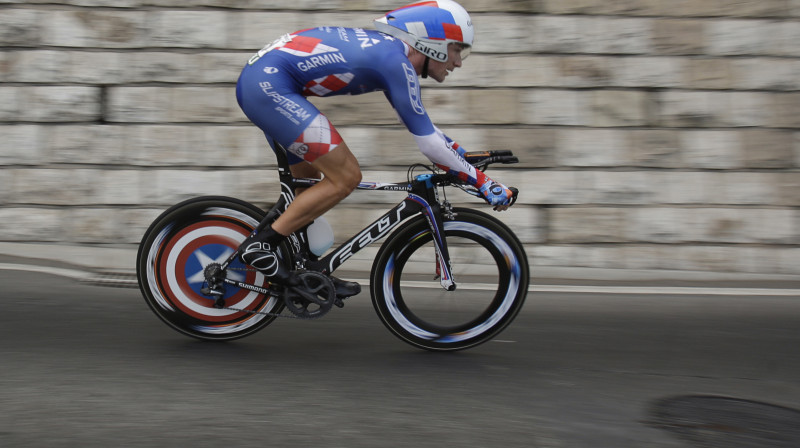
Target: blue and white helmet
430, 26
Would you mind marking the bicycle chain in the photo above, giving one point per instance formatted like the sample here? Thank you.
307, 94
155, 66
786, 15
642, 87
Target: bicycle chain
262, 313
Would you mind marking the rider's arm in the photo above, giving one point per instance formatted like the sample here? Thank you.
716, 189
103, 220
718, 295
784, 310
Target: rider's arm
404, 94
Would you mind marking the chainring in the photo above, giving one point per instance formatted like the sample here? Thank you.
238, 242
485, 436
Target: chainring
313, 297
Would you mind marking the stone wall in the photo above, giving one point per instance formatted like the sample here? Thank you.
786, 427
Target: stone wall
652, 134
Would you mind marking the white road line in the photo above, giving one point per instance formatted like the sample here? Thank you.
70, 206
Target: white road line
61, 272
573, 289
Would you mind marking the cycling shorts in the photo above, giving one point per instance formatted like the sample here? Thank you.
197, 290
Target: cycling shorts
271, 100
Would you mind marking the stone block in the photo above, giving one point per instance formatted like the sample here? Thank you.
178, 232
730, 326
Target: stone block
92, 225
50, 103
583, 71
474, 6
679, 37
90, 144
167, 186
120, 187
712, 149
684, 187
138, 105
540, 255
592, 147
252, 31
524, 70
586, 225
743, 225
662, 225
692, 8
560, 34
738, 37
766, 149
765, 74
797, 149
20, 27
788, 259
619, 108
31, 224
622, 36
505, 33
709, 73
570, 6
555, 107
647, 72
688, 109
220, 67
786, 110
490, 107
36, 66
709, 258
204, 104
753, 8
549, 187
49, 186
620, 187
386, 146
743, 109
648, 256
748, 188
94, 28
188, 29
535, 148
164, 66
5, 186
10, 103
788, 38
21, 144
230, 146
653, 148
207, 104
258, 186
786, 187
135, 221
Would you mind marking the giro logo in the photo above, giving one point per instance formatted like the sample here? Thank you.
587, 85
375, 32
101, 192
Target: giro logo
428, 51
270, 70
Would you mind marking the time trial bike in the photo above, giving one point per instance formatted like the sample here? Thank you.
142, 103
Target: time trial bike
446, 278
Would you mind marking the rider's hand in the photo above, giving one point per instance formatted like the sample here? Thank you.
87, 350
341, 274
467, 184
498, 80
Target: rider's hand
497, 194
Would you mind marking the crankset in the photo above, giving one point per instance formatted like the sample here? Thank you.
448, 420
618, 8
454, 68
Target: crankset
313, 297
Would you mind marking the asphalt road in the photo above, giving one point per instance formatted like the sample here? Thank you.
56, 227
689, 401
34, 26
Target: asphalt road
88, 366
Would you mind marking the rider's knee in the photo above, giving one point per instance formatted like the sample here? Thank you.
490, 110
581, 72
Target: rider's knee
347, 181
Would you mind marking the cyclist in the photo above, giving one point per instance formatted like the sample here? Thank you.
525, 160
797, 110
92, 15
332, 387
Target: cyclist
427, 39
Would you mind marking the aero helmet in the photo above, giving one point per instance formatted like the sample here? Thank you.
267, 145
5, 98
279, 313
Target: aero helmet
429, 27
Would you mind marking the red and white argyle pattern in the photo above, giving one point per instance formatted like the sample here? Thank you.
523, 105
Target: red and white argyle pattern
327, 84
306, 46
319, 138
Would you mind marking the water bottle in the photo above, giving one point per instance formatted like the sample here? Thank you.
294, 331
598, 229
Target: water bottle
320, 236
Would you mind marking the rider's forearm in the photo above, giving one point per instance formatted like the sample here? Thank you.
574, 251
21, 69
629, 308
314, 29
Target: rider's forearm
447, 157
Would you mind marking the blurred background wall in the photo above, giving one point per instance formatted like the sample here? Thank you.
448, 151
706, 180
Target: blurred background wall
653, 134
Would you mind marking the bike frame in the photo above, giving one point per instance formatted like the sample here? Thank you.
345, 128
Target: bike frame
423, 198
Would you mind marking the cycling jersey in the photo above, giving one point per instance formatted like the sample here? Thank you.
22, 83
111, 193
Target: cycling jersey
326, 61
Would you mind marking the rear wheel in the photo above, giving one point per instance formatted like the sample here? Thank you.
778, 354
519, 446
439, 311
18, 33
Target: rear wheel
179, 246
489, 266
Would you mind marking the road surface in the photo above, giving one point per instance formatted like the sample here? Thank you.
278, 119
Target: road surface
91, 366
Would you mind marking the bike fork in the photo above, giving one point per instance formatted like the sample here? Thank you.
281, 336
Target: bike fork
428, 199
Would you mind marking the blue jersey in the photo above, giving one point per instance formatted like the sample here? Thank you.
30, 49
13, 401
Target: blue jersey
327, 61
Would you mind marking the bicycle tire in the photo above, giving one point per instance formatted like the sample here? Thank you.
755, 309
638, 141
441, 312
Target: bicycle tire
490, 268
175, 250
